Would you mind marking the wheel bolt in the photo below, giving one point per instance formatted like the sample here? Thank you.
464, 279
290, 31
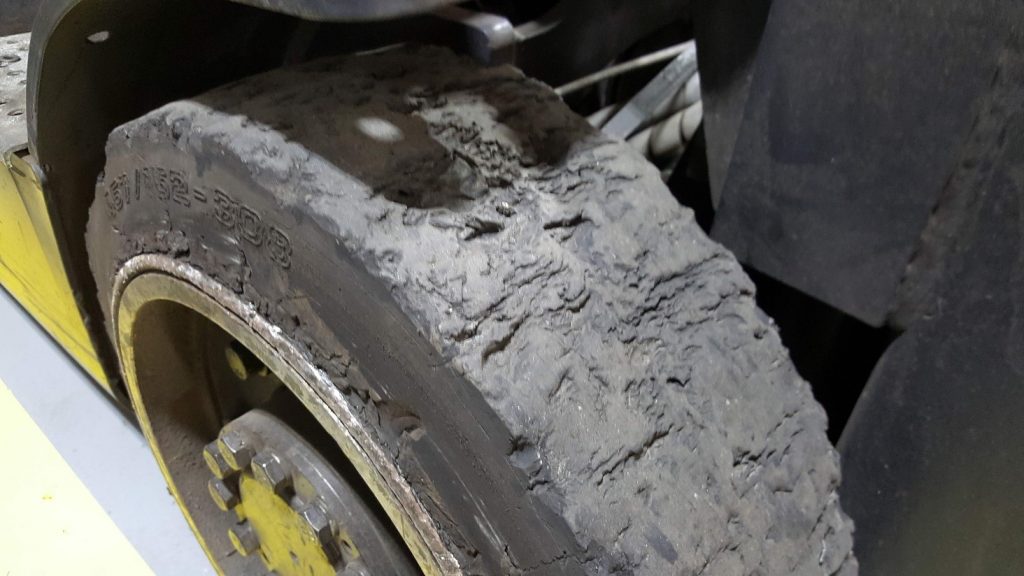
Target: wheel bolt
316, 520
267, 469
215, 461
223, 496
243, 538
235, 449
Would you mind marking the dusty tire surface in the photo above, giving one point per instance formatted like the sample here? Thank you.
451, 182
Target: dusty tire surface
574, 378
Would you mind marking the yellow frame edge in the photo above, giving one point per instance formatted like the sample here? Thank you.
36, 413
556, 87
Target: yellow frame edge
31, 268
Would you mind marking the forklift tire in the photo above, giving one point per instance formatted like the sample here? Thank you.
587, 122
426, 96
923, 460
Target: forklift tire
572, 377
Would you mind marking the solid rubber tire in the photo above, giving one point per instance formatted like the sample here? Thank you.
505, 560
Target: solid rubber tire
571, 375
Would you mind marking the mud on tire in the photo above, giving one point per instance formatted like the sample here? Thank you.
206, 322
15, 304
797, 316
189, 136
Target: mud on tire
573, 377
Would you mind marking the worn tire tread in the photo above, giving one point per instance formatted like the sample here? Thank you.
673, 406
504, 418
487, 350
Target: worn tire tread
653, 406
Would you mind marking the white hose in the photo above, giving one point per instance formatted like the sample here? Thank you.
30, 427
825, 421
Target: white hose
686, 97
673, 123
651, 59
669, 137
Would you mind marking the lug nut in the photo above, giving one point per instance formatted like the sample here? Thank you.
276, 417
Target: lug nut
316, 520
243, 538
267, 469
223, 496
215, 461
235, 449
242, 362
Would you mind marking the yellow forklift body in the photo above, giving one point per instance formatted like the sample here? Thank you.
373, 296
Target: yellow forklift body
31, 268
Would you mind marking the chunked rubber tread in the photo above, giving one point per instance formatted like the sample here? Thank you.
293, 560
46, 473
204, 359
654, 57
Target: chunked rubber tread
653, 406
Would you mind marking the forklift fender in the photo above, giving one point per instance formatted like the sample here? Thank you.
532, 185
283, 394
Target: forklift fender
95, 64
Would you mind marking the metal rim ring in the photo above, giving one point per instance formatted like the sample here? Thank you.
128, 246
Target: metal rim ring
150, 278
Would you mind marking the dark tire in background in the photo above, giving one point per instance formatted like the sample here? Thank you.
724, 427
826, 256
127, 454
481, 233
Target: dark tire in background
571, 376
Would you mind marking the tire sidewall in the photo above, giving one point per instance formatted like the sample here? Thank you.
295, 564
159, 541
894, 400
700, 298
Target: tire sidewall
188, 198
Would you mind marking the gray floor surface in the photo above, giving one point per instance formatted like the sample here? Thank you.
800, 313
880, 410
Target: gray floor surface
104, 449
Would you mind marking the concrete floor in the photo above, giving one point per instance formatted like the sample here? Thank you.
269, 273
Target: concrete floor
79, 491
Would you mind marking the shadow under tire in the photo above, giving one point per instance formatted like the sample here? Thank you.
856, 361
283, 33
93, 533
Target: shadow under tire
570, 374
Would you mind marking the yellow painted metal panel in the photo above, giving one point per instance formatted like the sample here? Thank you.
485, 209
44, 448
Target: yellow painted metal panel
51, 523
31, 268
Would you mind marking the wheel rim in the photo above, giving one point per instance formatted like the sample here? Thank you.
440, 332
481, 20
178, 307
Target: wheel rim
293, 508
180, 412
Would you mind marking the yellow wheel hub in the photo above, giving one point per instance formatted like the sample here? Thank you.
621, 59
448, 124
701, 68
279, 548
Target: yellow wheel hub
293, 508
288, 542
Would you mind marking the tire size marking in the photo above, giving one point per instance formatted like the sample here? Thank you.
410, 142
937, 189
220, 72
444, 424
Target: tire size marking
172, 187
